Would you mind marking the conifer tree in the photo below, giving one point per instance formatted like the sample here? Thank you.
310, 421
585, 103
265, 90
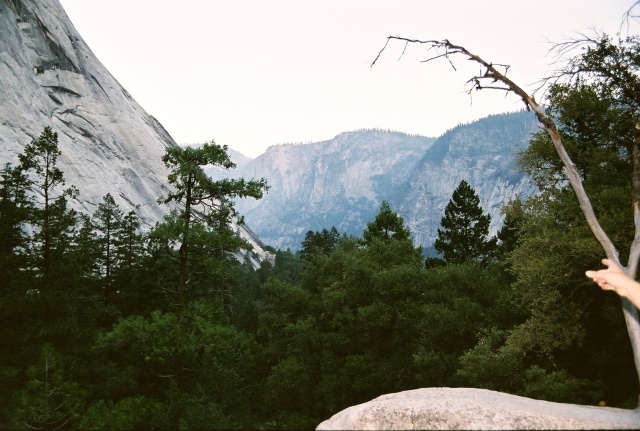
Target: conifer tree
386, 226
15, 208
509, 234
52, 221
205, 207
49, 400
323, 242
107, 221
465, 229
130, 245
85, 251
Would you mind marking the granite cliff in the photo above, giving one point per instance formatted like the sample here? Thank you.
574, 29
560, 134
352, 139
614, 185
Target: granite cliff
109, 143
51, 78
484, 154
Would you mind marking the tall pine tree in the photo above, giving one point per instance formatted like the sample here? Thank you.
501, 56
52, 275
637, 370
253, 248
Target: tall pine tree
465, 229
107, 221
52, 220
201, 224
323, 242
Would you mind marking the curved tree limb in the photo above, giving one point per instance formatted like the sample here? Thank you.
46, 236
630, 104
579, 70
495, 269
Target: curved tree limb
489, 76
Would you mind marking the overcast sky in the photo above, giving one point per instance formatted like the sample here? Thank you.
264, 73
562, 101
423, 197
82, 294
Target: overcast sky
255, 73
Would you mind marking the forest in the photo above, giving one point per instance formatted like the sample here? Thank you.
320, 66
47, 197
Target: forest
109, 326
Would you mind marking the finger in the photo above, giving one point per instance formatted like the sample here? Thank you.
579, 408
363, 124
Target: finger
594, 275
612, 265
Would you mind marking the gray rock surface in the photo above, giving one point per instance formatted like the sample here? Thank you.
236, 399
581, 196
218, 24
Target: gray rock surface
475, 409
484, 154
340, 182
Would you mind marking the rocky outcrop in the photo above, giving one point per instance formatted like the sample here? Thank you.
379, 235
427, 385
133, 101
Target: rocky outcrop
340, 182
475, 409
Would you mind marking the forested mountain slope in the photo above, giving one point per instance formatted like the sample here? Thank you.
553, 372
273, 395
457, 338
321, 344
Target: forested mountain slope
341, 182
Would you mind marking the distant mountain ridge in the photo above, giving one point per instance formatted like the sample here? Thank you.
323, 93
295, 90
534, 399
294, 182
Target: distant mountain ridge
342, 181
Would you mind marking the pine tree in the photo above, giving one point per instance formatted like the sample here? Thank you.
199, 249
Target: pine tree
15, 208
465, 229
107, 221
508, 236
52, 220
130, 245
202, 222
386, 226
85, 251
323, 242
49, 400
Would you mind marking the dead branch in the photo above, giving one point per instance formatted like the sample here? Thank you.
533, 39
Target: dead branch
490, 74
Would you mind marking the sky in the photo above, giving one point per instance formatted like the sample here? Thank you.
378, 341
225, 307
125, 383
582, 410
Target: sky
254, 73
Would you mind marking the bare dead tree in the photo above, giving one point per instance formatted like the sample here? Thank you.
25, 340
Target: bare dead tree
493, 76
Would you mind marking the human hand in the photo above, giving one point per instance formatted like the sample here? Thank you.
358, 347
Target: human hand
612, 278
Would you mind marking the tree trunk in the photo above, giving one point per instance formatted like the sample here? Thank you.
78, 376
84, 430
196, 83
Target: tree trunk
184, 247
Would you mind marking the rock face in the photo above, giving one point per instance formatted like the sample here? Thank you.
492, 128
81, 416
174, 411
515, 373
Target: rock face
482, 153
109, 144
463, 408
342, 182
50, 77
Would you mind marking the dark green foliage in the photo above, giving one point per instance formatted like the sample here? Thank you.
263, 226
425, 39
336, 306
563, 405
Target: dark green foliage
612, 65
107, 224
557, 352
387, 225
465, 229
370, 320
129, 413
182, 359
67, 279
323, 242
49, 399
460, 302
15, 209
304, 336
336, 339
509, 234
